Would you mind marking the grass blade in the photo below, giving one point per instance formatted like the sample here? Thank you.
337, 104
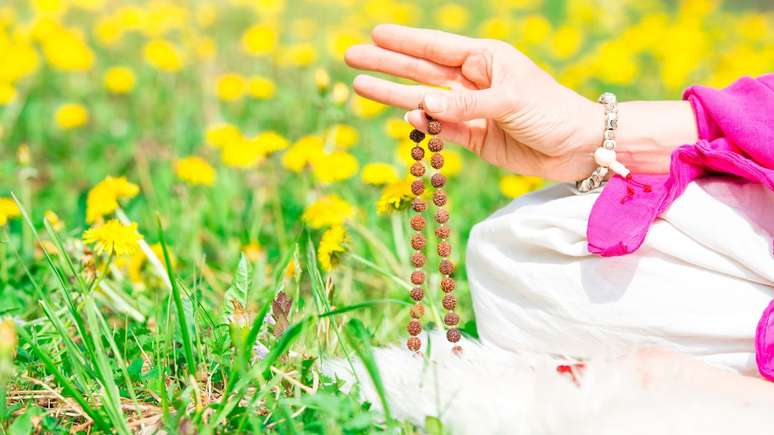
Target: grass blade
359, 339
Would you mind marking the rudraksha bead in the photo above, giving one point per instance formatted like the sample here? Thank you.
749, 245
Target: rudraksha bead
442, 216
418, 187
417, 277
438, 180
417, 169
446, 267
453, 335
433, 127
444, 249
419, 205
442, 232
417, 311
436, 161
439, 198
418, 259
413, 343
414, 327
448, 285
418, 241
449, 302
417, 222
451, 319
435, 144
417, 293
417, 153
416, 135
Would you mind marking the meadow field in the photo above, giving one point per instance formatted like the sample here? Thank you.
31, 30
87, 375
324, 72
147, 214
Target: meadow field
196, 210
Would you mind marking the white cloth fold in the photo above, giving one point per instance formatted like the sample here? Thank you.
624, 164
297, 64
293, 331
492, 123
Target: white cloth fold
698, 284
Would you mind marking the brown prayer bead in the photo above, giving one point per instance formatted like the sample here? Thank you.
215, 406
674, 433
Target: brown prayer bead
417, 153
419, 205
449, 302
417, 277
418, 242
442, 232
418, 187
440, 198
453, 335
417, 222
418, 259
438, 180
414, 343
444, 249
417, 293
414, 327
416, 135
451, 319
435, 144
446, 267
436, 161
442, 216
417, 169
448, 285
417, 311
433, 127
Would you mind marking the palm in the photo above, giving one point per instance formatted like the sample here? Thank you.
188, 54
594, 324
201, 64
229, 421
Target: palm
529, 120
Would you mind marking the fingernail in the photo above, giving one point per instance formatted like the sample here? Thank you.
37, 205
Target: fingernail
405, 116
435, 103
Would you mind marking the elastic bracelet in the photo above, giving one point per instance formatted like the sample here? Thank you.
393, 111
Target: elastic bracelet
604, 156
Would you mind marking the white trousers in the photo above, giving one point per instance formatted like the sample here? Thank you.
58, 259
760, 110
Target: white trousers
698, 284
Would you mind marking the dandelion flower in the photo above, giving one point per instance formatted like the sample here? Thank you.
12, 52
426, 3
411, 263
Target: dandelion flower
565, 42
328, 211
298, 55
536, 29
67, 50
243, 154
514, 186
397, 128
322, 79
344, 136
53, 220
222, 134
303, 153
119, 80
336, 166
340, 41
270, 142
260, 40
332, 248
7, 94
378, 174
8, 210
252, 251
70, 116
103, 198
452, 16
340, 93
163, 55
365, 108
230, 87
452, 163
195, 171
395, 197
261, 88
113, 237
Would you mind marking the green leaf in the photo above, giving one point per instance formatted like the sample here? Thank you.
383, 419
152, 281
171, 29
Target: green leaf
433, 426
360, 340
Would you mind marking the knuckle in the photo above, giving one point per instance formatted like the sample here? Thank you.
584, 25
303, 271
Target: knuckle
465, 102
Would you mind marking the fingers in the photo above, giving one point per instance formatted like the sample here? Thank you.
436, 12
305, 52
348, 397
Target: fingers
457, 132
387, 92
464, 105
372, 58
440, 47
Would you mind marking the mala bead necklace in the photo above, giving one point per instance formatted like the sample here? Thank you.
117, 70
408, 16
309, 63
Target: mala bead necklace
418, 241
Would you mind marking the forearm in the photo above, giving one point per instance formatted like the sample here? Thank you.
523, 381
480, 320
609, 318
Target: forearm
648, 132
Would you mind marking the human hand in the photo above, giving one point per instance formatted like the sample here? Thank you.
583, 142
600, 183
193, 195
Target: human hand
499, 104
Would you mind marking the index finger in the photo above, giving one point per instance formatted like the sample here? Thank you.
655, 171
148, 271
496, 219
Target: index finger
440, 47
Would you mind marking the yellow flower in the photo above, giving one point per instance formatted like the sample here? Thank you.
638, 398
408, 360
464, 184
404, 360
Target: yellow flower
302, 54
336, 166
113, 237
71, 115
340, 41
397, 128
195, 170
322, 79
54, 7
566, 42
452, 165
344, 136
260, 40
261, 88
303, 152
497, 28
7, 94
204, 47
103, 198
89, 5
108, 31
18, 60
513, 186
395, 197
163, 55
119, 80
332, 248
222, 134
328, 211
365, 108
230, 87
8, 339
252, 251
535, 29
452, 16
8, 210
67, 50
23, 155
53, 219
340, 93
245, 153
378, 174
270, 142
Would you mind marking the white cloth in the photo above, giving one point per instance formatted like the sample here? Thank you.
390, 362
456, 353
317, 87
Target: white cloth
698, 284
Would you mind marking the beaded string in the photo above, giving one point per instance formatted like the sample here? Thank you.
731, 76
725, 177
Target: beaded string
418, 242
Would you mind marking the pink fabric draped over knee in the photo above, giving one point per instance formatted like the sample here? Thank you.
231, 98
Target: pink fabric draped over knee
736, 136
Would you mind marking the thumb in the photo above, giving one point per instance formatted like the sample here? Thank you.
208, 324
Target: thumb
464, 105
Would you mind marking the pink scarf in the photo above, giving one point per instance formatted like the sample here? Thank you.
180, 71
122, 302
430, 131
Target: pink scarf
736, 136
